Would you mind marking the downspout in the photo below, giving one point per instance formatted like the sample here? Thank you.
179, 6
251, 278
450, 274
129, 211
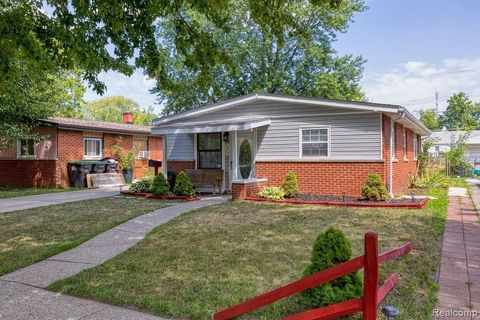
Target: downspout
392, 128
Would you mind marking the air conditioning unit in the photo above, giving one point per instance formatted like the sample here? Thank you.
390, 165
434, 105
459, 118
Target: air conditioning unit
144, 154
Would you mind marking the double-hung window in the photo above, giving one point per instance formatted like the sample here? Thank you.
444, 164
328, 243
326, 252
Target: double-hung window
405, 155
26, 148
415, 147
209, 148
314, 142
92, 148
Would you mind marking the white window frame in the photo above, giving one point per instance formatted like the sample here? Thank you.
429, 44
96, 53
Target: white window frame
300, 140
415, 147
19, 150
101, 148
394, 142
405, 150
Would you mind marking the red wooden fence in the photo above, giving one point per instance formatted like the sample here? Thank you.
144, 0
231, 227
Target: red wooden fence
368, 304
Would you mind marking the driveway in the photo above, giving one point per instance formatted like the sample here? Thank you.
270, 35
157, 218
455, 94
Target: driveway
42, 200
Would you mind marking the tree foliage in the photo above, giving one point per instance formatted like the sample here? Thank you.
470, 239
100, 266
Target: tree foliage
112, 108
461, 113
457, 155
431, 119
299, 60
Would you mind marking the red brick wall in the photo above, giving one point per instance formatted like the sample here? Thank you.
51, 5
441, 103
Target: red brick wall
29, 173
180, 165
241, 191
70, 148
325, 178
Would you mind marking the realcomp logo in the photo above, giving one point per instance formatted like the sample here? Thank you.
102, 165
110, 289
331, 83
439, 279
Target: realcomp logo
451, 313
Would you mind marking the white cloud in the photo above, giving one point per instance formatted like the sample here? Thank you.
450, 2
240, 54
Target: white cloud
136, 87
414, 83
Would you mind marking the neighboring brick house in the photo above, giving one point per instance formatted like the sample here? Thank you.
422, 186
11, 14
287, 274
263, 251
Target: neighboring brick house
331, 145
44, 163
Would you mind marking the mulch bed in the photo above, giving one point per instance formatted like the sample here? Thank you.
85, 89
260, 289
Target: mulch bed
347, 201
153, 196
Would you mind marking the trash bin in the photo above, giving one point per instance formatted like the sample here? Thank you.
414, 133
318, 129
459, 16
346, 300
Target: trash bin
77, 172
99, 166
111, 166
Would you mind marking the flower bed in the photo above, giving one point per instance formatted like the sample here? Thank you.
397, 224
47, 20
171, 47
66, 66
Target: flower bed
153, 196
346, 201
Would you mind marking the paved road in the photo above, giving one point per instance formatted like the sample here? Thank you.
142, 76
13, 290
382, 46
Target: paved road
23, 296
48, 199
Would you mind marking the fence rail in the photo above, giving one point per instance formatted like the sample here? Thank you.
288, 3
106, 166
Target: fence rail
368, 304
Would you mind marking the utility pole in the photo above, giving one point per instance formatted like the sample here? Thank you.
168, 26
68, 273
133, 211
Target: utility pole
436, 100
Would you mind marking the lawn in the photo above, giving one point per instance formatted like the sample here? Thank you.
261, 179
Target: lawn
215, 257
6, 192
29, 236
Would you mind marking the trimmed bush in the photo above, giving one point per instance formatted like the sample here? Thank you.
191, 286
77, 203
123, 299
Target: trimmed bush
290, 185
183, 185
274, 193
144, 184
374, 189
160, 185
329, 249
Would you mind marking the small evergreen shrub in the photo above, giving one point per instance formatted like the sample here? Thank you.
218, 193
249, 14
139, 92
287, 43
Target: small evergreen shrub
374, 189
160, 185
329, 249
290, 185
274, 193
144, 184
183, 185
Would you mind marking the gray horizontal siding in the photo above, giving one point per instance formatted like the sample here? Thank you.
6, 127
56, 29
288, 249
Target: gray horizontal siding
180, 147
354, 135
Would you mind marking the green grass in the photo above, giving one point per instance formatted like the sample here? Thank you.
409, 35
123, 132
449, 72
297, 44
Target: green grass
29, 236
216, 257
6, 192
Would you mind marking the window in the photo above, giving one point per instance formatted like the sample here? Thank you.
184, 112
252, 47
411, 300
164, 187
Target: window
141, 147
209, 148
415, 147
92, 148
437, 148
26, 148
314, 142
405, 155
245, 159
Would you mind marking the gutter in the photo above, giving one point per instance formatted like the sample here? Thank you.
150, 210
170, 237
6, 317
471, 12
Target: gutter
392, 128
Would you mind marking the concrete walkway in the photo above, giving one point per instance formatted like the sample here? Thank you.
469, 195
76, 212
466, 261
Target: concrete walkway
25, 298
459, 278
48, 199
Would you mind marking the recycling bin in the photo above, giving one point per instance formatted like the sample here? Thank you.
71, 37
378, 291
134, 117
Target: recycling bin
77, 172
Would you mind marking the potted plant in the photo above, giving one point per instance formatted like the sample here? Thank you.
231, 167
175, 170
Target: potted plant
126, 161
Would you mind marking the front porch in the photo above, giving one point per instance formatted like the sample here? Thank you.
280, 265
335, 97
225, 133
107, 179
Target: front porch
229, 147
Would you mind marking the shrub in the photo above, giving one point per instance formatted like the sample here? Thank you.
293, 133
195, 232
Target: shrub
374, 189
160, 185
431, 179
290, 185
274, 193
142, 185
329, 249
183, 185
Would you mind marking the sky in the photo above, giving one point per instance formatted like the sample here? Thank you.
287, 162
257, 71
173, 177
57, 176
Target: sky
413, 49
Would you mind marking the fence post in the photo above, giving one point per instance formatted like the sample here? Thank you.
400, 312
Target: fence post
370, 279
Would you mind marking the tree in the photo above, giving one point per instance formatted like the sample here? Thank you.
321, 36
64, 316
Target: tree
299, 61
461, 113
111, 109
430, 118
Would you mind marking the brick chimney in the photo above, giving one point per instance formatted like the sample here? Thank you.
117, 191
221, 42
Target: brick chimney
128, 117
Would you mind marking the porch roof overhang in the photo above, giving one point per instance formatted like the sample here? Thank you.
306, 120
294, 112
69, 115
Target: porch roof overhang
213, 126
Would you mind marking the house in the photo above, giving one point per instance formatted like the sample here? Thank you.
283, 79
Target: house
44, 164
331, 145
444, 139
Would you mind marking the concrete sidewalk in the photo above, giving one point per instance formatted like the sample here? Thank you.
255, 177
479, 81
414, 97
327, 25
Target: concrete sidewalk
459, 277
23, 288
48, 199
